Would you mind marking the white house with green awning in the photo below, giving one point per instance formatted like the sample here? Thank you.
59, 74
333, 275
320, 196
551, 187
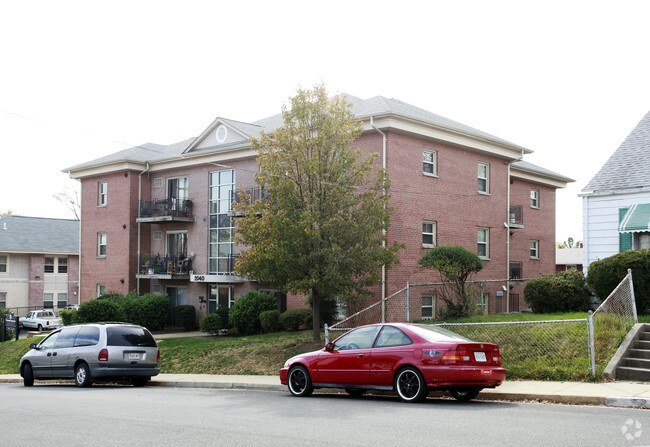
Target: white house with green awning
616, 202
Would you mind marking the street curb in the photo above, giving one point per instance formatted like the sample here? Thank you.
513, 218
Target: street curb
627, 401
556, 398
218, 385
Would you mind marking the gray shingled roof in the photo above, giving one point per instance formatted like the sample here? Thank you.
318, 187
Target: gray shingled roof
38, 235
527, 166
626, 168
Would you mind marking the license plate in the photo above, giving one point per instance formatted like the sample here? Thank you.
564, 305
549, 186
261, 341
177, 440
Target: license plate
480, 357
136, 356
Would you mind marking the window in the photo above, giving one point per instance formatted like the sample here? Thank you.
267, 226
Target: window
534, 249
158, 182
48, 301
62, 265
429, 162
61, 300
428, 234
49, 264
102, 198
220, 297
222, 246
101, 245
361, 338
101, 289
534, 198
156, 289
3, 300
483, 178
483, 249
428, 306
391, 336
87, 336
178, 189
3, 264
157, 235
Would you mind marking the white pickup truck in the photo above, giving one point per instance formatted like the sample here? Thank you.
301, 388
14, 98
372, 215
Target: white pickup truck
41, 319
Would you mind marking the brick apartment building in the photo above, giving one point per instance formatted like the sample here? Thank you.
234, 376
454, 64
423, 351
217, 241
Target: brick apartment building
39, 263
157, 218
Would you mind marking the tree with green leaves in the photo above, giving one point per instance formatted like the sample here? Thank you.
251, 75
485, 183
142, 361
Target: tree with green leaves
320, 232
455, 265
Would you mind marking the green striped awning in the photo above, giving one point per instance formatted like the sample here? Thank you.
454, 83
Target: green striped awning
636, 218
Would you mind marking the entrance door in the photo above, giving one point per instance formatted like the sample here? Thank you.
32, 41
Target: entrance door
220, 296
177, 295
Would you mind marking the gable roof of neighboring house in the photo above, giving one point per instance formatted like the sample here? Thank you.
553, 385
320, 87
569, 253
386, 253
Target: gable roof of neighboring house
626, 168
20, 234
387, 113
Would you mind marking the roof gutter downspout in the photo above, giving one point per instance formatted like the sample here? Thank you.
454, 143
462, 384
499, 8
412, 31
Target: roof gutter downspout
137, 281
383, 230
521, 157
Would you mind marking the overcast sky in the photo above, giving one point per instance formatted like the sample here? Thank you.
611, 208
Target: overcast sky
79, 80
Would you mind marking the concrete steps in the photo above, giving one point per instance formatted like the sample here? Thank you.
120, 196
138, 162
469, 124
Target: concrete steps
635, 362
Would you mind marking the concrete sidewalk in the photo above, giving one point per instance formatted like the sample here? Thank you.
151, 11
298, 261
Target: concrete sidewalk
618, 394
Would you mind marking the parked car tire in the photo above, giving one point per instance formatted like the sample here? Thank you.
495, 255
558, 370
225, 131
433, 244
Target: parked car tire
410, 385
300, 382
82, 375
464, 394
355, 392
139, 381
40, 328
28, 374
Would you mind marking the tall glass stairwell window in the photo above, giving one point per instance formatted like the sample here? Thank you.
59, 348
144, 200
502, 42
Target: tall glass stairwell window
220, 257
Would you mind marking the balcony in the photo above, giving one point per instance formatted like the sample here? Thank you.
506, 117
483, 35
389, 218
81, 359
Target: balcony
516, 217
516, 271
164, 267
165, 210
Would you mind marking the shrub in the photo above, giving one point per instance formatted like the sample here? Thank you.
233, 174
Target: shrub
270, 320
245, 313
94, 311
212, 323
69, 316
185, 315
605, 274
562, 292
150, 311
292, 320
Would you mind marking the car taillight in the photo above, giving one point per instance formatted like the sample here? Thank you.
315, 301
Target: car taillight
451, 357
496, 358
158, 356
103, 355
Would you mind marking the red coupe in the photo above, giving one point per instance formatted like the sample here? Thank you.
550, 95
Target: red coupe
410, 359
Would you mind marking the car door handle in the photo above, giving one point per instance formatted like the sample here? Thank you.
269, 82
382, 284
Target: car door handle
360, 355
49, 354
54, 354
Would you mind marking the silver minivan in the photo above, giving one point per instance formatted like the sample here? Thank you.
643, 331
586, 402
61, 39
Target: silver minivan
91, 352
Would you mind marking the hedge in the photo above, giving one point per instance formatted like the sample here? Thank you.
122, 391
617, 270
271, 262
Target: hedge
245, 313
293, 319
270, 320
150, 311
185, 315
562, 292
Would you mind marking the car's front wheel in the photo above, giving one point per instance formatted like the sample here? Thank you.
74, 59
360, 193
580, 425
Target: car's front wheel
40, 328
82, 375
410, 385
28, 375
464, 394
300, 382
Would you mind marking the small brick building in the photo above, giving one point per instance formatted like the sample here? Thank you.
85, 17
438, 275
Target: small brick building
156, 218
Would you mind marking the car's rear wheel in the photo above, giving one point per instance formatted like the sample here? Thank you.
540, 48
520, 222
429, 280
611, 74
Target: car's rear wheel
355, 392
28, 375
40, 328
299, 381
82, 376
410, 385
139, 381
464, 394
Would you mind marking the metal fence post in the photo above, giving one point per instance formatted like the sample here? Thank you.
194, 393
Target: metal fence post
327, 334
408, 301
629, 274
592, 348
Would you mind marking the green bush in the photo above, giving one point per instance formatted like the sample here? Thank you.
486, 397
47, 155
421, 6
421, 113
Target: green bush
185, 315
212, 323
69, 316
94, 311
293, 319
245, 313
270, 320
150, 311
562, 292
225, 317
605, 274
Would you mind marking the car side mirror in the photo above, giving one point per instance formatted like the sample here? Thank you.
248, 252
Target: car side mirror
33, 346
329, 346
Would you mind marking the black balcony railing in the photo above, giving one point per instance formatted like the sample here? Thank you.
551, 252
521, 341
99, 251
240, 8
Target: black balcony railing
516, 215
164, 265
516, 270
169, 207
250, 194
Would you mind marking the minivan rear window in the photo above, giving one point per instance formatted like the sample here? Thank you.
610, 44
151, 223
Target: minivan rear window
129, 336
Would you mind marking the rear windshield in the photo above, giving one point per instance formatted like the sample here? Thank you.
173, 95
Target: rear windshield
435, 333
129, 336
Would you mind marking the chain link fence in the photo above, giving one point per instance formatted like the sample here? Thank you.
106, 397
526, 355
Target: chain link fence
567, 349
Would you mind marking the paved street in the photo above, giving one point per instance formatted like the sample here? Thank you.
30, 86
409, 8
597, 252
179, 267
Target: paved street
62, 415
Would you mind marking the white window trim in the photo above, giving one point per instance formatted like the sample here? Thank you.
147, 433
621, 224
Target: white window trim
99, 289
99, 245
434, 163
536, 191
102, 195
433, 223
487, 243
486, 178
55, 265
48, 301
6, 272
536, 243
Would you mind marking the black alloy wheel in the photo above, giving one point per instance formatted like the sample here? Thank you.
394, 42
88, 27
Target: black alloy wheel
410, 385
299, 381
